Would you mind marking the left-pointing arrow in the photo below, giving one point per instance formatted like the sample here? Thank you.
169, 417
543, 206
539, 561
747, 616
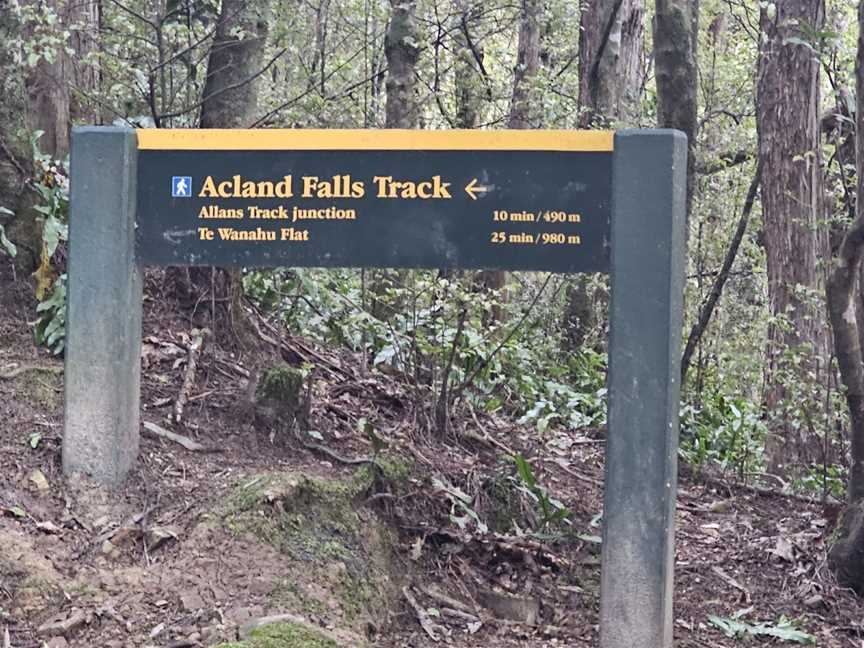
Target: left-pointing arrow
472, 189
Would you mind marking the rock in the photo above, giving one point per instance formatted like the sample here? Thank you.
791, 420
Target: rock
241, 615
191, 601
63, 625
520, 609
157, 536
247, 628
57, 642
279, 397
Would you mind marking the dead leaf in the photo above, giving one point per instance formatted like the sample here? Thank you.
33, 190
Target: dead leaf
39, 481
783, 549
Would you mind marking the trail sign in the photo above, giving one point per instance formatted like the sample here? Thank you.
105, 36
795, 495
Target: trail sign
517, 200
416, 199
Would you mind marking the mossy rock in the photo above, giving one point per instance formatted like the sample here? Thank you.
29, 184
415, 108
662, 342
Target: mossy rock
284, 635
279, 396
342, 554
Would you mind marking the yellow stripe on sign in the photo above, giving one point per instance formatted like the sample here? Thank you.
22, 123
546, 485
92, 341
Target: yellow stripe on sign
372, 140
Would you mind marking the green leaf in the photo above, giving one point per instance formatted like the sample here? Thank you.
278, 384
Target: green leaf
35, 439
524, 471
17, 511
5, 243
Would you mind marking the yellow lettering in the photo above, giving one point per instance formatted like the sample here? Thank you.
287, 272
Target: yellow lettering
209, 189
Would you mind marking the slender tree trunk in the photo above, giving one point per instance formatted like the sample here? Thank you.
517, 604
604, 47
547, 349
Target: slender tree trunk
787, 111
844, 556
16, 162
610, 54
469, 70
523, 114
402, 52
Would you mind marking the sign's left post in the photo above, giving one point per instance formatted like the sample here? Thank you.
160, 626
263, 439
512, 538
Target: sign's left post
103, 316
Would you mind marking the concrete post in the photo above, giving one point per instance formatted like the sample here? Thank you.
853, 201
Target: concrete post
648, 245
103, 316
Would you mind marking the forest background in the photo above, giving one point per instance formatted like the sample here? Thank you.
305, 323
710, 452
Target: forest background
766, 92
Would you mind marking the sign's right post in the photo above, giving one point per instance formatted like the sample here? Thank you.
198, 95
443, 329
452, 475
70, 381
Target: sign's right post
648, 260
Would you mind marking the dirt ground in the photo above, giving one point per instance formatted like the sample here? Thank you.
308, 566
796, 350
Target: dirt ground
198, 546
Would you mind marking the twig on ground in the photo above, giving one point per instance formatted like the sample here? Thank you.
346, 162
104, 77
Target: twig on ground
578, 475
184, 441
198, 336
726, 578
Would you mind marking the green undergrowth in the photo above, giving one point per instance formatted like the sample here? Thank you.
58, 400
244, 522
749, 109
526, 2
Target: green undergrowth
284, 635
342, 552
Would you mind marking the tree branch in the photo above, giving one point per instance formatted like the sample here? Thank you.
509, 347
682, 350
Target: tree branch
707, 308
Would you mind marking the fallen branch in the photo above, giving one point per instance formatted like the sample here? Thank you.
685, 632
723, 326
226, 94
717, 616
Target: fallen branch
423, 617
195, 347
449, 601
184, 441
334, 455
17, 371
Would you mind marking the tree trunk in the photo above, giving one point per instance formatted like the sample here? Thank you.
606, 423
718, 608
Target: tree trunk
610, 54
522, 111
469, 70
676, 29
402, 52
236, 59
787, 113
845, 556
59, 74
48, 104
230, 100
16, 162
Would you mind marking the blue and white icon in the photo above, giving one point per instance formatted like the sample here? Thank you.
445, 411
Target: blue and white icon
181, 187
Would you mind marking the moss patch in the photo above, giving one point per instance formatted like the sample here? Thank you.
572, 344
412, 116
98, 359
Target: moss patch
42, 389
284, 635
342, 552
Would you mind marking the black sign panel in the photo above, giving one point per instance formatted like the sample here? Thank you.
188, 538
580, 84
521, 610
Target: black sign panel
494, 209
